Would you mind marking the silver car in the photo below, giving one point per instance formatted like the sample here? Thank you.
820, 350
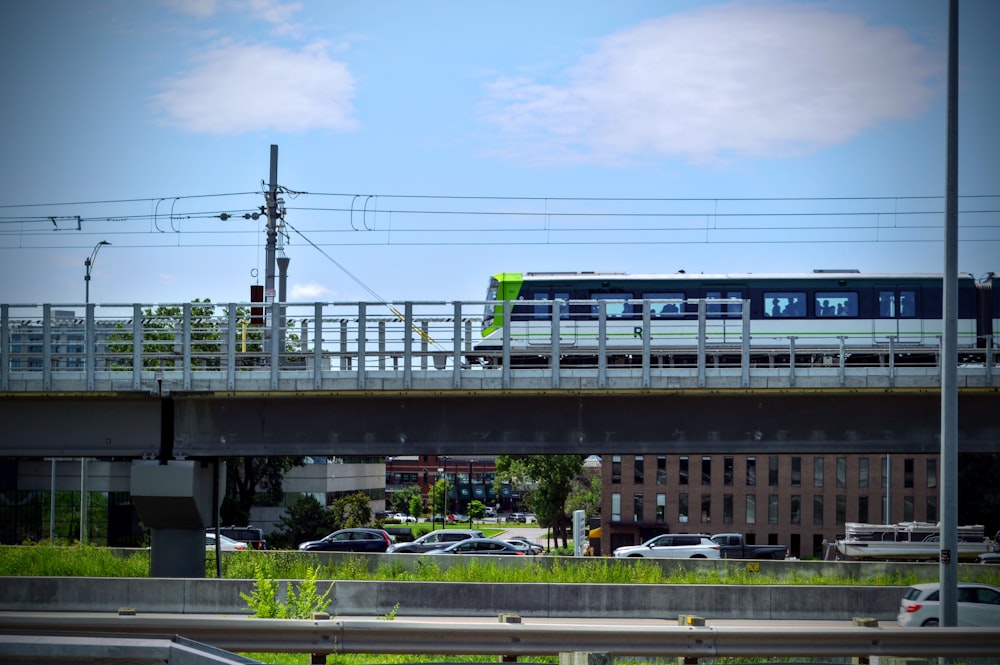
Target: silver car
978, 605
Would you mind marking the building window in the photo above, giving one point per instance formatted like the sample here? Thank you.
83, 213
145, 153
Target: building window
616, 469
638, 466
706, 470
661, 508
818, 471
841, 472
907, 508
885, 471
706, 508
772, 471
932, 515
727, 508
751, 509
796, 472
661, 470
637, 514
751, 471
616, 507
862, 508
795, 506
817, 510
682, 507
931, 472
841, 510
863, 474
727, 470
908, 472
682, 471
887, 518
772, 508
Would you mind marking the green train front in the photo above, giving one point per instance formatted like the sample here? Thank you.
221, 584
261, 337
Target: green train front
818, 310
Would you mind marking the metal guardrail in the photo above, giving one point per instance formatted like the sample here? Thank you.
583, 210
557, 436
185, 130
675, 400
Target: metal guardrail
524, 639
303, 346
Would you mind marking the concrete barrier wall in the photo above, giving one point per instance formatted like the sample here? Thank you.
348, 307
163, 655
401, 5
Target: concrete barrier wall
378, 598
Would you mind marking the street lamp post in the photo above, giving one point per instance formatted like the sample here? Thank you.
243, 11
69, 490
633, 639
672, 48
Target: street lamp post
445, 488
88, 265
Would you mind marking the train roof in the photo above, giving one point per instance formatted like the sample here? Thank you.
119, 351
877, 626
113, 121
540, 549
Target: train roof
817, 275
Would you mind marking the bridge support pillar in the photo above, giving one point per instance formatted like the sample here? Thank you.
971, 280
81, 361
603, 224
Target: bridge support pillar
175, 500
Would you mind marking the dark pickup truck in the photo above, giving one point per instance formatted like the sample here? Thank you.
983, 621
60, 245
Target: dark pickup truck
734, 546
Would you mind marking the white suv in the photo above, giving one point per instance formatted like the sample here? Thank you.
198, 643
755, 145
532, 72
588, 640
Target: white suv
672, 546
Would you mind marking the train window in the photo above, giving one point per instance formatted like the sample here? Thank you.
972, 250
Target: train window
617, 307
719, 309
836, 303
897, 304
784, 303
666, 305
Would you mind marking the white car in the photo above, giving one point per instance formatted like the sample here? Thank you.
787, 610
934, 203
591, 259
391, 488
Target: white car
672, 546
978, 605
225, 544
403, 517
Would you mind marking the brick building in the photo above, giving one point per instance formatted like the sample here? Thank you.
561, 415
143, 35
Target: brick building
795, 500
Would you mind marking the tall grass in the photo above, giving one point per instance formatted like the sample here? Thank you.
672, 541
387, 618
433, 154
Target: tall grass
90, 561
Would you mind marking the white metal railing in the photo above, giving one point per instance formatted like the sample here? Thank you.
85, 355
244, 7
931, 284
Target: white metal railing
326, 636
202, 346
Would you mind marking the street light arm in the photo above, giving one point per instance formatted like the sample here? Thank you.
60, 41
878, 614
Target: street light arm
93, 255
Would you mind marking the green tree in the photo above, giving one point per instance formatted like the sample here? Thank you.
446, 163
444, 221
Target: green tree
402, 499
416, 507
476, 510
352, 511
437, 495
554, 475
306, 519
253, 481
585, 494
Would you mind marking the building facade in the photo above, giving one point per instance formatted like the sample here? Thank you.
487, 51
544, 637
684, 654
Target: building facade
802, 501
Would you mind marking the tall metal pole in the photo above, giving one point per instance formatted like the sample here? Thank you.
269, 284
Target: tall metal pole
88, 265
948, 574
272, 226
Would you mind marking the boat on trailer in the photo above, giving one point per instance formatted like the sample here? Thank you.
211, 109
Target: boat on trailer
908, 541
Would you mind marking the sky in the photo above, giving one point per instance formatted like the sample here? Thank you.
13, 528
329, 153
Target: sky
423, 146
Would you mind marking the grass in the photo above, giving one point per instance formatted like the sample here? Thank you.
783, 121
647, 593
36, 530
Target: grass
44, 560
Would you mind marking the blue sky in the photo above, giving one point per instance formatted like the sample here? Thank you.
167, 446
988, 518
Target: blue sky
426, 145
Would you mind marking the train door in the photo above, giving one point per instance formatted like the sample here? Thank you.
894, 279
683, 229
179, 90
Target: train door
725, 317
896, 315
541, 326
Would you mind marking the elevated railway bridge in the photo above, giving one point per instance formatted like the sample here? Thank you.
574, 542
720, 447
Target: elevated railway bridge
202, 380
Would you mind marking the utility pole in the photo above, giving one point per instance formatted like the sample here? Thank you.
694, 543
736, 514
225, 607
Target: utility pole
271, 198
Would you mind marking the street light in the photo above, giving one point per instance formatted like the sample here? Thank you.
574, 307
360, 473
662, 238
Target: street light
88, 263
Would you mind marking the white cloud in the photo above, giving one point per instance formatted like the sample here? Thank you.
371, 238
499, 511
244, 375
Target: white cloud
759, 81
307, 292
241, 88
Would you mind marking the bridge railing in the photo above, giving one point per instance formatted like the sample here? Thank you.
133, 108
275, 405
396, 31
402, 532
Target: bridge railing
438, 345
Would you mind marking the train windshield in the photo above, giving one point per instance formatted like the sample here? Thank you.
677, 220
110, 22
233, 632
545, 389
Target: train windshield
491, 295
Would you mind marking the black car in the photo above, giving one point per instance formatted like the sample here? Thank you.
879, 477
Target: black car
252, 536
350, 540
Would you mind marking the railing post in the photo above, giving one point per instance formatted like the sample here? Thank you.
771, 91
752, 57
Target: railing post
186, 344
231, 348
791, 360
276, 337
702, 332
843, 359
408, 345
345, 362
554, 312
602, 343
745, 345
646, 343
46, 347
5, 360
456, 357
138, 345
381, 345
892, 360
424, 346
508, 617
317, 345
89, 350
362, 334
989, 358
505, 369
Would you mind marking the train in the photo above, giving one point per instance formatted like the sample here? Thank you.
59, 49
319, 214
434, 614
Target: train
862, 315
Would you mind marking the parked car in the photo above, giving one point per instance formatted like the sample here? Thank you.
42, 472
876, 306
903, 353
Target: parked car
350, 540
435, 540
402, 517
252, 536
734, 546
225, 544
520, 518
978, 605
534, 548
482, 546
673, 546
988, 557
